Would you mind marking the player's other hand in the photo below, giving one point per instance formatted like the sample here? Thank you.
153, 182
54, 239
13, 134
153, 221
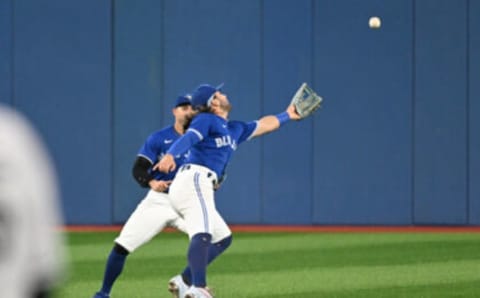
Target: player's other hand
159, 185
292, 113
166, 164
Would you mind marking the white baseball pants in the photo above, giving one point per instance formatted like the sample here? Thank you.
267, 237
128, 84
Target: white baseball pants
150, 217
192, 196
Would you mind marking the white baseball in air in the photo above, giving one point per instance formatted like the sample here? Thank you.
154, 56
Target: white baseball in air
374, 22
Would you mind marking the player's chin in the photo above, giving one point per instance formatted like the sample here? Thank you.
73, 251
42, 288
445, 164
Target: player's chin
187, 118
226, 107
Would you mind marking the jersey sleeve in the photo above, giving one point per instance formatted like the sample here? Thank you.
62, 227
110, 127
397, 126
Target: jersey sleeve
150, 149
184, 143
200, 125
246, 130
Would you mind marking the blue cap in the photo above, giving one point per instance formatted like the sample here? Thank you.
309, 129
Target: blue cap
204, 94
183, 100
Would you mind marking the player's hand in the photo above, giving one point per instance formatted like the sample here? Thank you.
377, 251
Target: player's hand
217, 184
292, 113
166, 164
159, 185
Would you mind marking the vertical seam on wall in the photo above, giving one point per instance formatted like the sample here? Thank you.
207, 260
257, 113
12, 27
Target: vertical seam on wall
262, 103
12, 54
413, 114
312, 77
112, 108
162, 59
467, 113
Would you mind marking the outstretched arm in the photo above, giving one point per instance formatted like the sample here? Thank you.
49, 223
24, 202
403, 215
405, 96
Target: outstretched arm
167, 163
270, 123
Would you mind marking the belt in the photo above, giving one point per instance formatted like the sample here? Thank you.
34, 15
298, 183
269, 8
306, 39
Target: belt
210, 174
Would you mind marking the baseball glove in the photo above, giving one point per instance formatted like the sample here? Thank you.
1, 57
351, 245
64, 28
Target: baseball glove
306, 101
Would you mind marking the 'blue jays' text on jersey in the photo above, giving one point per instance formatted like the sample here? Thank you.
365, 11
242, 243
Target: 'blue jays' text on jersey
157, 145
219, 138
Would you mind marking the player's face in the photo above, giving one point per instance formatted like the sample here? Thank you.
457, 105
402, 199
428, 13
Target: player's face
183, 113
220, 100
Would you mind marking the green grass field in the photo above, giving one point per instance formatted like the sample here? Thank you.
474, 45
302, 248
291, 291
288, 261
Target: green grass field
299, 265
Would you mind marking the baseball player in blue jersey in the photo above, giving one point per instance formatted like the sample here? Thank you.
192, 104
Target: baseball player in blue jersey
154, 212
211, 139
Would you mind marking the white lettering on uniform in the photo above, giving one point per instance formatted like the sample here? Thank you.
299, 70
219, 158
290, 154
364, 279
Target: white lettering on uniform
226, 141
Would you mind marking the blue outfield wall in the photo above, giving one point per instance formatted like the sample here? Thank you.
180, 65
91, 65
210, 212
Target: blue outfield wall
62, 81
285, 174
6, 57
397, 141
440, 121
362, 137
473, 110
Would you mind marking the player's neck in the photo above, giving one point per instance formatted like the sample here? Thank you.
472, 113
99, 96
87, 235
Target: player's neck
222, 114
179, 128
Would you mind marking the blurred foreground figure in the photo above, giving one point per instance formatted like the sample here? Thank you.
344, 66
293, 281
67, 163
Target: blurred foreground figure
31, 248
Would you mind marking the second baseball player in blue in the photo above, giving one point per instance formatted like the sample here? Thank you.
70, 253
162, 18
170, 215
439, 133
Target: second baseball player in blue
211, 139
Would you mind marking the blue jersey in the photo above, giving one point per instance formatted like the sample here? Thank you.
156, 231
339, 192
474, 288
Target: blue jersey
219, 138
156, 145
